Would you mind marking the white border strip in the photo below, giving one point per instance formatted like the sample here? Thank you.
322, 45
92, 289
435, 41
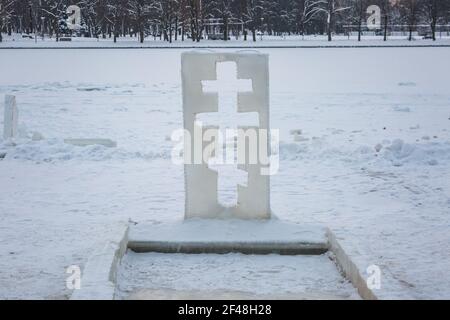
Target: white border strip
99, 275
351, 271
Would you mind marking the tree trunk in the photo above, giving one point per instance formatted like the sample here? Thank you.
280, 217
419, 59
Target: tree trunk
330, 18
412, 19
193, 31
141, 34
329, 31
385, 26
360, 21
198, 32
57, 30
359, 29
176, 28
225, 28
254, 34
433, 31
433, 27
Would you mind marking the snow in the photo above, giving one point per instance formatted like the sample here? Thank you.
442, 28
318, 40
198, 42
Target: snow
16, 41
162, 276
229, 230
370, 157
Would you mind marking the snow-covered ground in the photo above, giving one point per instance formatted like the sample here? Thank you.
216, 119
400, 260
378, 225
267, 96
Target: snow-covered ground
17, 41
162, 276
372, 161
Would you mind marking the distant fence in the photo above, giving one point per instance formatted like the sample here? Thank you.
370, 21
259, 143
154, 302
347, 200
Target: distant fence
398, 30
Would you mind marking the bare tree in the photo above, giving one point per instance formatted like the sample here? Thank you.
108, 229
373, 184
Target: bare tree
6, 12
298, 7
194, 8
140, 12
116, 10
385, 9
359, 13
53, 10
253, 11
309, 12
433, 9
183, 17
167, 18
327, 7
223, 9
411, 9
95, 15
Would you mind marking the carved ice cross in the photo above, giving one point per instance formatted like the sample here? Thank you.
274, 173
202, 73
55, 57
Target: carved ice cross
227, 86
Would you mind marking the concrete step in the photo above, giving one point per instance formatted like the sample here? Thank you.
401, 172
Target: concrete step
228, 236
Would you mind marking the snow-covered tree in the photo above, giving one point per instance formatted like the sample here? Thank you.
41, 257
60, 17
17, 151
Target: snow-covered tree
252, 15
94, 13
166, 17
433, 11
140, 12
196, 10
53, 11
163, 17
115, 13
327, 8
6, 13
223, 9
358, 14
409, 10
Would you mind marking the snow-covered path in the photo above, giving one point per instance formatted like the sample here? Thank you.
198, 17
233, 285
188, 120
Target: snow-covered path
390, 207
292, 41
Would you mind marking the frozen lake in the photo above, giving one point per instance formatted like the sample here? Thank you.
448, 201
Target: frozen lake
337, 70
372, 161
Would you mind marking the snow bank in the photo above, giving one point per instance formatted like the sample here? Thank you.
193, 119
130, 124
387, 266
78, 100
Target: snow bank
55, 150
395, 153
386, 153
